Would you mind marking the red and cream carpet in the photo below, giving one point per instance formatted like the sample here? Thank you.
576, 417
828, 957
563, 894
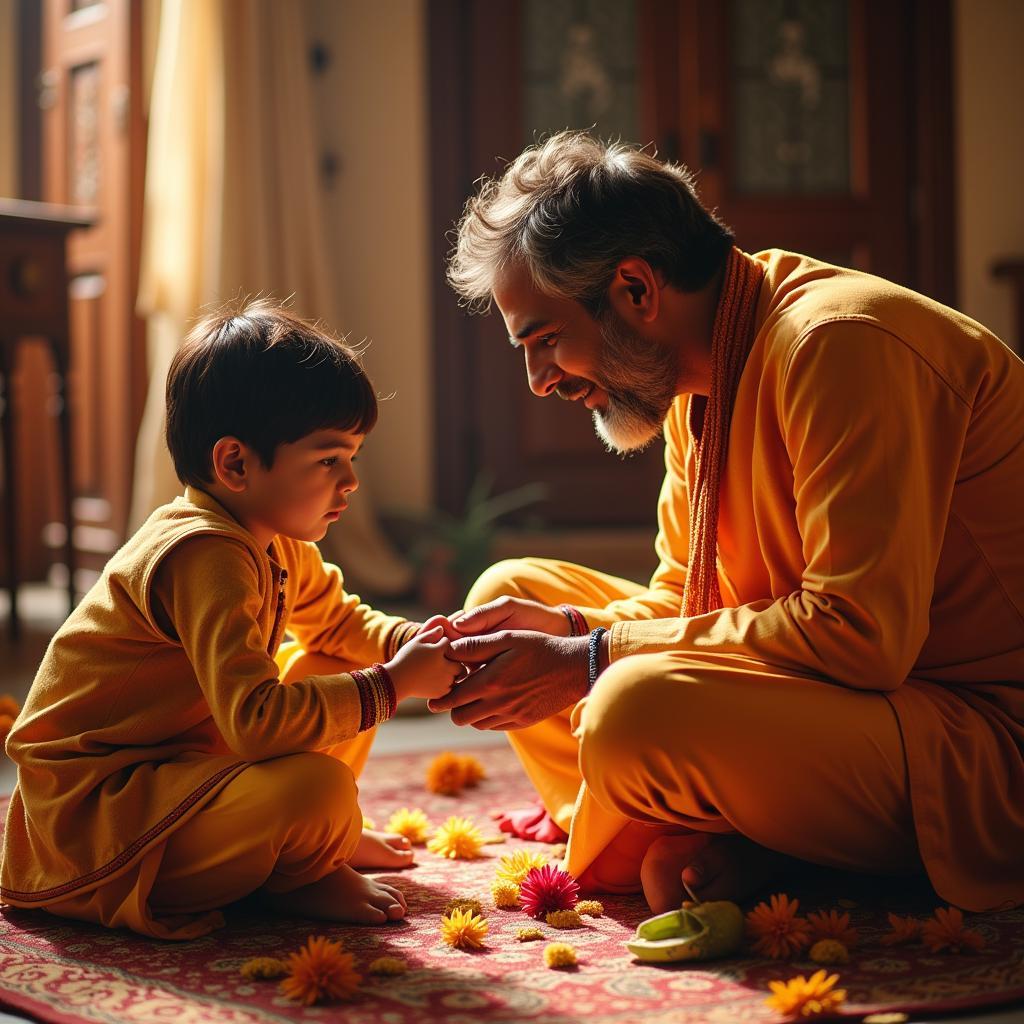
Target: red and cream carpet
55, 971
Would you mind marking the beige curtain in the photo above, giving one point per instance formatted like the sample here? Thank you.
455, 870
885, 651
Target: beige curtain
233, 204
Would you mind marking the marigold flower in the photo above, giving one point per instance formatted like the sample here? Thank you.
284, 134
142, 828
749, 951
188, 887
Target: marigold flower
902, 930
806, 997
564, 919
462, 929
946, 931
832, 925
516, 866
464, 903
9, 706
546, 889
321, 970
591, 908
559, 954
446, 774
388, 966
262, 968
457, 839
505, 895
829, 951
6, 725
776, 930
412, 824
529, 934
472, 770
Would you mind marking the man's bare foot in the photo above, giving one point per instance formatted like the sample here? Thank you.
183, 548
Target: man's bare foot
345, 895
382, 850
714, 867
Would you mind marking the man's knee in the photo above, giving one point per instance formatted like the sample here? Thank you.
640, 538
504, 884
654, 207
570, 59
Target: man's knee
507, 578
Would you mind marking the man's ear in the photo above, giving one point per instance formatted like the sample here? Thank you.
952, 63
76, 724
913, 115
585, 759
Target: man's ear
230, 463
635, 291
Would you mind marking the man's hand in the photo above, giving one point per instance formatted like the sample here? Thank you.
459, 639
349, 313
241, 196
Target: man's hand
511, 613
442, 621
524, 678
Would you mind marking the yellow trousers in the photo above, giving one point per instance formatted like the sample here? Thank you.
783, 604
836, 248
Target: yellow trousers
278, 825
686, 741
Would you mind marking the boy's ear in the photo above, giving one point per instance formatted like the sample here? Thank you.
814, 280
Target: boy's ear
230, 463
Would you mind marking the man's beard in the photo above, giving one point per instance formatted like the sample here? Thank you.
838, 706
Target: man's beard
640, 379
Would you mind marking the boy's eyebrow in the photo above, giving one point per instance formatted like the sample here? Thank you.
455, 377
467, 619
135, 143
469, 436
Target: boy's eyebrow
329, 445
531, 328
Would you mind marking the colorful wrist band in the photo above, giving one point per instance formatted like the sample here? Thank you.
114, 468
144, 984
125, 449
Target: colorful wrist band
376, 695
577, 623
594, 656
400, 636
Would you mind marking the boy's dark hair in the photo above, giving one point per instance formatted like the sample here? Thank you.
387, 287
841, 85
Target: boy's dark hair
256, 371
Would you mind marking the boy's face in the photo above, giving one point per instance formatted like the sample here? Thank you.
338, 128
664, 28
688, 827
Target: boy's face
307, 487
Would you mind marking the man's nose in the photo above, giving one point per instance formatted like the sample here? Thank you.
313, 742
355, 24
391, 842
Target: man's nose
542, 372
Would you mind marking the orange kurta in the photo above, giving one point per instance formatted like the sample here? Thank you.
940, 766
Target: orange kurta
871, 535
128, 732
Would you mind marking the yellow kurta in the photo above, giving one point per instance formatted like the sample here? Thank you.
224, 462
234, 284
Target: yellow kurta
871, 535
128, 732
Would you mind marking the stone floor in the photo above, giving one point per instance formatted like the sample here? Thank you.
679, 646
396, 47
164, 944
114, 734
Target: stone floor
42, 609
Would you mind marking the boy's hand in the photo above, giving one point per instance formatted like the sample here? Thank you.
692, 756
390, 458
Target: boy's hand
421, 668
444, 621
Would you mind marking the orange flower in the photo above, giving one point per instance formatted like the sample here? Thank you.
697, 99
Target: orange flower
776, 929
446, 774
6, 724
832, 925
946, 931
901, 930
472, 770
9, 706
806, 997
320, 971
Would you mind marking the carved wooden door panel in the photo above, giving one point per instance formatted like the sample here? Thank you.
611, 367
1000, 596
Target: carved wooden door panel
93, 143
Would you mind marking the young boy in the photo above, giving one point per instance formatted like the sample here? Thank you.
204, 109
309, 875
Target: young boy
167, 763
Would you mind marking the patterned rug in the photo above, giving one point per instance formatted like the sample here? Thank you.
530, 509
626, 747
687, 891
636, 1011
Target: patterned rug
56, 971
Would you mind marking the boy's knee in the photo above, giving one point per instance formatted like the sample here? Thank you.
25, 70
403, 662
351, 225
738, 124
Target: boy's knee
315, 785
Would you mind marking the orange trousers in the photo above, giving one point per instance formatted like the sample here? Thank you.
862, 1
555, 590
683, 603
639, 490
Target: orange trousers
686, 741
277, 825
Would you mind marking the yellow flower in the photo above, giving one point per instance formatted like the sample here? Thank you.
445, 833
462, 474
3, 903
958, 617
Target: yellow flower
462, 929
388, 965
516, 866
446, 774
591, 908
472, 770
564, 919
946, 931
776, 929
368, 822
529, 934
464, 903
803, 997
262, 967
412, 824
559, 954
505, 895
829, 951
320, 971
457, 839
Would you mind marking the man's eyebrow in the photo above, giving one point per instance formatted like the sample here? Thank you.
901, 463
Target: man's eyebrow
531, 328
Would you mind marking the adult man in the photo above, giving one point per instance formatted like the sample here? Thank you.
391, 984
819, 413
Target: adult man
828, 663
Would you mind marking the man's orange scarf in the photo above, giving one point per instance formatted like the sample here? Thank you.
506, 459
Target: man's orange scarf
731, 338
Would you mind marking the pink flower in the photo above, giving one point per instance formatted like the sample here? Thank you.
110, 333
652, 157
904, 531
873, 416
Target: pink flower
546, 889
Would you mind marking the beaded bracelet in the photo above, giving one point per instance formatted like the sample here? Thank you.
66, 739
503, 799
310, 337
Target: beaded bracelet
376, 695
594, 656
577, 623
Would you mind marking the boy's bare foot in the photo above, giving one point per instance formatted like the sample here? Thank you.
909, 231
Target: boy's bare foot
345, 895
382, 850
714, 867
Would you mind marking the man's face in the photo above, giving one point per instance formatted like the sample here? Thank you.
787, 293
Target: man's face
627, 382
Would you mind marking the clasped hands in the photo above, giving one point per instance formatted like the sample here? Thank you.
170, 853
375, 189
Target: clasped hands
521, 665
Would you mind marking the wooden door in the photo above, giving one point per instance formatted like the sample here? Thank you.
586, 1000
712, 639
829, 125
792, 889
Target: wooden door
92, 156
816, 125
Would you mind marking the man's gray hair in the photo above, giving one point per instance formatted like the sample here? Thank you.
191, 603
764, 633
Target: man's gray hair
571, 208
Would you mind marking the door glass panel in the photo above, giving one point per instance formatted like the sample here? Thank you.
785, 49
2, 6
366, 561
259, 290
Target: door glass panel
791, 88
580, 68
